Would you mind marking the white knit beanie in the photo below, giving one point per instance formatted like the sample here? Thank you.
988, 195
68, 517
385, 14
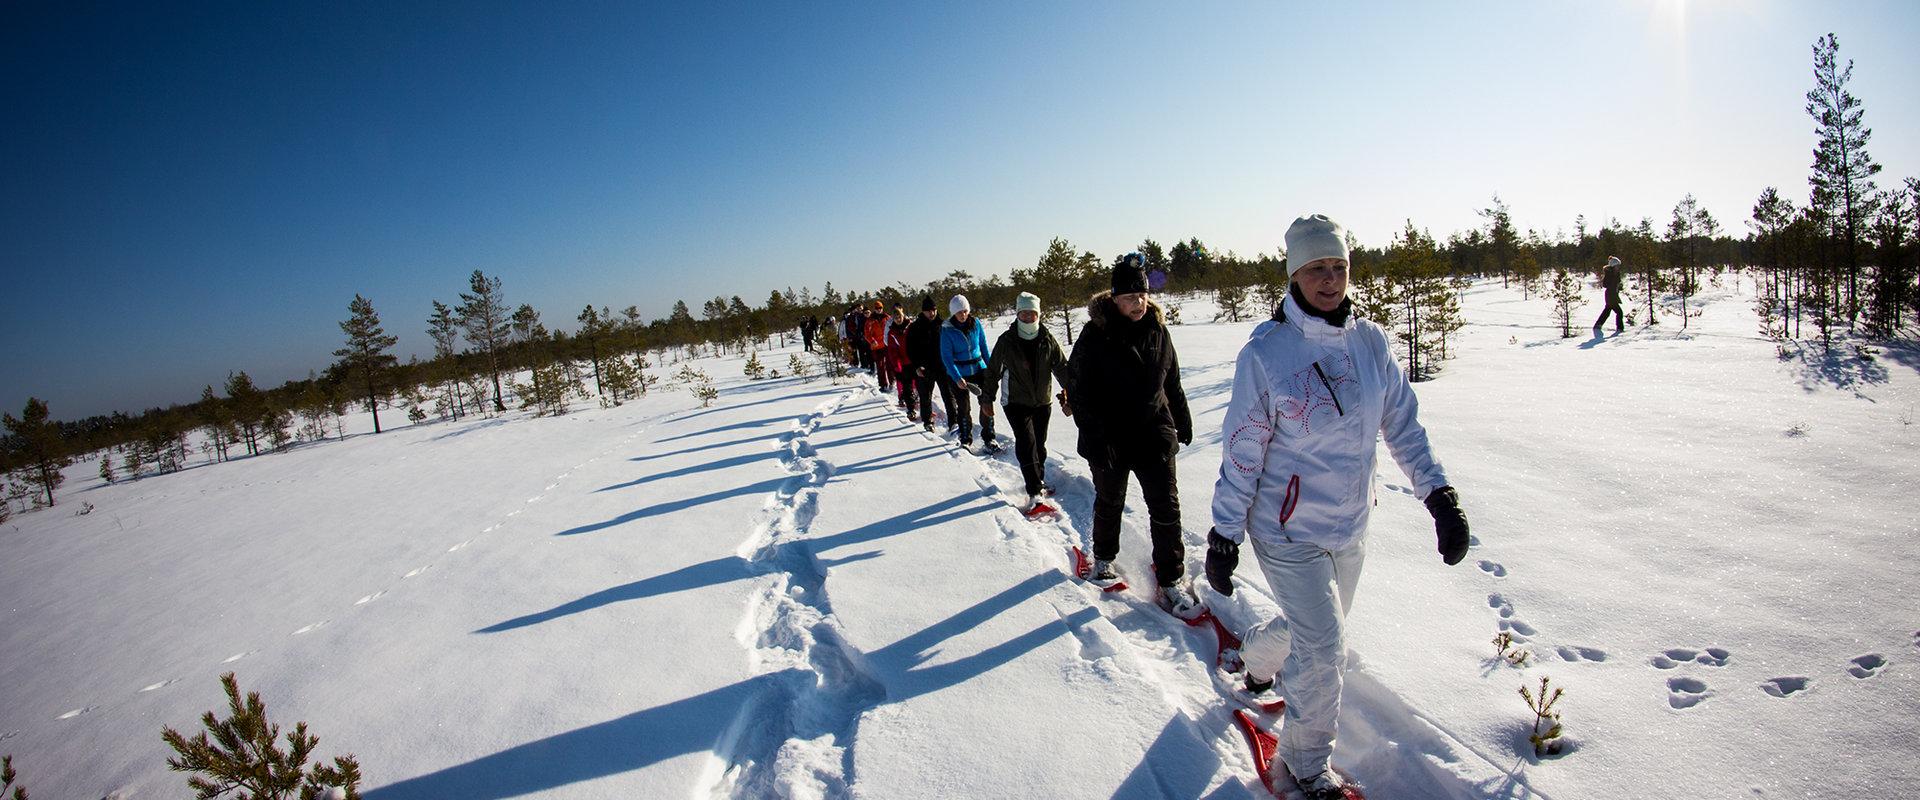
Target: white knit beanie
1613, 261
958, 304
1027, 301
1312, 238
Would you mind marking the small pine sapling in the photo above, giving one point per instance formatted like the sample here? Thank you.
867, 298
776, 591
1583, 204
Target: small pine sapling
1508, 651
797, 367
753, 369
7, 778
106, 467
242, 756
1545, 716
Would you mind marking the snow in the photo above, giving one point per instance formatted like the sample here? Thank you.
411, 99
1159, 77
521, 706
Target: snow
797, 593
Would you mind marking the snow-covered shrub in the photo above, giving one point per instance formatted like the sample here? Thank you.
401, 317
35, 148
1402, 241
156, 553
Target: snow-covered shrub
242, 756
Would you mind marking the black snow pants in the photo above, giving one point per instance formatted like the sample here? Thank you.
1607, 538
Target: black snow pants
1158, 485
924, 384
1613, 305
1029, 424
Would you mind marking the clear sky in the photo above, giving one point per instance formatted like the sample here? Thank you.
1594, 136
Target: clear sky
189, 189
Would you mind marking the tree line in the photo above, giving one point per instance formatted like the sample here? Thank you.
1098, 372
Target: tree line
1845, 260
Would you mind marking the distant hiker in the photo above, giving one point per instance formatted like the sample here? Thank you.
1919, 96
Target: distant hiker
963, 351
875, 334
1610, 280
923, 351
850, 337
1124, 382
1029, 359
807, 328
1312, 390
897, 360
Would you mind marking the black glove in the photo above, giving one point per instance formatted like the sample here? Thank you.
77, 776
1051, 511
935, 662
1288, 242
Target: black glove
1449, 523
1184, 437
1223, 555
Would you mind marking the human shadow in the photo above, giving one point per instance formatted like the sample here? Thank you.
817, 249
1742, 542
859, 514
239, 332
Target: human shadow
723, 463
751, 423
736, 406
705, 721
714, 446
926, 516
696, 576
1178, 764
682, 504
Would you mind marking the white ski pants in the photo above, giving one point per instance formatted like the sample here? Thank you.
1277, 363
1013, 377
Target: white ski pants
1305, 647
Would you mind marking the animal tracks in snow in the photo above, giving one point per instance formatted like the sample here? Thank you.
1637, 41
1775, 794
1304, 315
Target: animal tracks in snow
1578, 653
1493, 569
1867, 666
1686, 692
1782, 687
1712, 657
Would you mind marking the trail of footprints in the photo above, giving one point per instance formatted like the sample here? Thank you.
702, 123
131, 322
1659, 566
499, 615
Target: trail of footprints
376, 595
1683, 691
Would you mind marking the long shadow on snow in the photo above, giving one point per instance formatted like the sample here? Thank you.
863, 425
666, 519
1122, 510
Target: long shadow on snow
700, 723
732, 568
762, 487
714, 446
724, 463
734, 406
695, 576
1178, 764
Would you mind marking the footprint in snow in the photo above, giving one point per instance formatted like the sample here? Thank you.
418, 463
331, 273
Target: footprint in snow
237, 656
154, 687
460, 546
1498, 602
1518, 627
1867, 666
1687, 692
415, 572
1578, 653
314, 627
76, 712
1397, 488
1781, 687
1712, 657
1493, 569
1472, 540
369, 598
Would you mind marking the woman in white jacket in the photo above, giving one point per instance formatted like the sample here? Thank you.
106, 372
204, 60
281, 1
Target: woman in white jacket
1311, 390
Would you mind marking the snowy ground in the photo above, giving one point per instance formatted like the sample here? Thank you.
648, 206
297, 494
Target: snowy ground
797, 593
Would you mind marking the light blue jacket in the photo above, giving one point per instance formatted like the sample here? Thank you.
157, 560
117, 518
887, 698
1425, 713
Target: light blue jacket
964, 353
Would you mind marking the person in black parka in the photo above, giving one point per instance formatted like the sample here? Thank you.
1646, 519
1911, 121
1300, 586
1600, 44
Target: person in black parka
1124, 379
923, 351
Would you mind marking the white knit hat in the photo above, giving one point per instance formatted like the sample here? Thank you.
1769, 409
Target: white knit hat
1613, 261
1312, 238
1027, 301
958, 304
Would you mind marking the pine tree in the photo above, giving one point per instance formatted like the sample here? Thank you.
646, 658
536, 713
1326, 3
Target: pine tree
1893, 284
1059, 280
591, 329
40, 447
249, 407
244, 755
483, 314
214, 417
1503, 240
443, 328
7, 774
1842, 178
1565, 294
106, 466
366, 350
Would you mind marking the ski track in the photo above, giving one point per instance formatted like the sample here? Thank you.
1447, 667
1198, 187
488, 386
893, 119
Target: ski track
1133, 639
794, 738
363, 600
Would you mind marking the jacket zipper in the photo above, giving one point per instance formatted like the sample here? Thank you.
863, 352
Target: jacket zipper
1330, 392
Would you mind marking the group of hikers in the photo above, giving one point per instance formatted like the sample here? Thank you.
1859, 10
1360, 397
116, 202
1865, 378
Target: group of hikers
1312, 389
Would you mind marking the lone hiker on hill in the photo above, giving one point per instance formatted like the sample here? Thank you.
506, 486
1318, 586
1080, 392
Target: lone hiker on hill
1124, 382
1610, 280
1030, 359
1312, 389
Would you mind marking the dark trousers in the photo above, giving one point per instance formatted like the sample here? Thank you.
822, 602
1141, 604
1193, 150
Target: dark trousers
1029, 424
1613, 305
1157, 484
807, 336
963, 411
866, 355
903, 380
924, 384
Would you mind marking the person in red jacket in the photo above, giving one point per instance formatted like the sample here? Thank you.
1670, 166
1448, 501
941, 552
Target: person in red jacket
874, 331
897, 359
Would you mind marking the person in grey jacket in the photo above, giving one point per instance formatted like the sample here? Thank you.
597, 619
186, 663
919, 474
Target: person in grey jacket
1312, 389
1030, 360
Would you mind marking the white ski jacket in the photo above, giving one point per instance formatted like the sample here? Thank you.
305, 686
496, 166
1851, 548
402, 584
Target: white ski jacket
1309, 401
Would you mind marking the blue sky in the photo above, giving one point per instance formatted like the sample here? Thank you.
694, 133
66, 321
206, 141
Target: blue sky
196, 189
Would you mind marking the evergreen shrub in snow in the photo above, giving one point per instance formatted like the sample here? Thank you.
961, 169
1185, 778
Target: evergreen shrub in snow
7, 776
242, 757
1547, 741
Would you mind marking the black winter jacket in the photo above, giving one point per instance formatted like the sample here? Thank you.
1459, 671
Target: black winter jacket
1123, 381
923, 344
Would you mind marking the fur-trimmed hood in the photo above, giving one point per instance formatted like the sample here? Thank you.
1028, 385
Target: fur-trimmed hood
1101, 305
